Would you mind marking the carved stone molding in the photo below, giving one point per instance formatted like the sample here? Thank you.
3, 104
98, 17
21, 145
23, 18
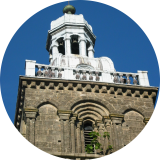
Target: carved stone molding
95, 87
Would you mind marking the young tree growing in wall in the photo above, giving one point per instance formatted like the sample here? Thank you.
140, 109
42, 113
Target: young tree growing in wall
95, 145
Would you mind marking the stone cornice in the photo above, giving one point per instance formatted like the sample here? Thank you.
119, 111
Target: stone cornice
30, 110
65, 26
90, 86
64, 112
116, 115
106, 117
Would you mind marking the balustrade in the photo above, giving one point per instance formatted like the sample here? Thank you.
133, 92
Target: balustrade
48, 71
125, 78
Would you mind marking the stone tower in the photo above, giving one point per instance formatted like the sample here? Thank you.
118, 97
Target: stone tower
60, 103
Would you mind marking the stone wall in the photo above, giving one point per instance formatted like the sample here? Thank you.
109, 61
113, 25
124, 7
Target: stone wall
51, 113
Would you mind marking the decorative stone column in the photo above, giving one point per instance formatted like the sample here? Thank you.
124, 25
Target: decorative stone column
100, 127
82, 140
82, 47
151, 124
79, 146
67, 40
65, 129
117, 131
91, 52
100, 130
30, 116
107, 124
72, 122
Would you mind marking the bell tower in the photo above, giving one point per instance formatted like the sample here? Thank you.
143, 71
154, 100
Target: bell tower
59, 103
70, 35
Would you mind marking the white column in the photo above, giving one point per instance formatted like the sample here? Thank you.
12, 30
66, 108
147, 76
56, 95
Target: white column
82, 47
54, 50
143, 78
91, 52
67, 40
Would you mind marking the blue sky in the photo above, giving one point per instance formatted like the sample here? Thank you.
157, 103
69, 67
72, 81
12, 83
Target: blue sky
118, 37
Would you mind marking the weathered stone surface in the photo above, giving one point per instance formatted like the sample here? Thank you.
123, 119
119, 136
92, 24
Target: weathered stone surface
53, 114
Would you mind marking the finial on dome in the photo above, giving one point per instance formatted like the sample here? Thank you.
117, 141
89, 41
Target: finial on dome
69, 9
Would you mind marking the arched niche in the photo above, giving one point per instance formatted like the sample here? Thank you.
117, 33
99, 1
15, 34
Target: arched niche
74, 44
90, 110
135, 135
47, 128
61, 45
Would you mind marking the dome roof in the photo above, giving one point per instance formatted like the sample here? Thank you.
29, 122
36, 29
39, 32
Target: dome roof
69, 9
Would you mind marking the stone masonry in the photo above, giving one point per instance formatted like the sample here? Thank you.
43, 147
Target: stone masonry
50, 113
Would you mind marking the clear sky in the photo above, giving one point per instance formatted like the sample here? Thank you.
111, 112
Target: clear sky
128, 32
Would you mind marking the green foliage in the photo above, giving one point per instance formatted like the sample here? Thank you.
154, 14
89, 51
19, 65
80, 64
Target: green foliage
95, 144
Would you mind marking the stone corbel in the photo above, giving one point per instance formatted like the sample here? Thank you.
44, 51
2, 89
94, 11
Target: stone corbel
116, 118
151, 122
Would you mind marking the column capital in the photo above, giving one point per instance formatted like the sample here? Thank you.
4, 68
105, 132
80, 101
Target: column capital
79, 124
82, 39
64, 114
80, 119
30, 112
74, 114
117, 118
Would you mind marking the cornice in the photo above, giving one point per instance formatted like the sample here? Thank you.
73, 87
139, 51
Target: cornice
64, 111
88, 86
30, 110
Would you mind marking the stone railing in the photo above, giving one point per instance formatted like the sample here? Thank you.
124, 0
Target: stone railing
27, 155
125, 78
34, 69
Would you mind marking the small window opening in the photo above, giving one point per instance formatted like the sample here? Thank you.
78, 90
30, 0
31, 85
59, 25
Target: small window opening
61, 47
87, 46
74, 45
88, 129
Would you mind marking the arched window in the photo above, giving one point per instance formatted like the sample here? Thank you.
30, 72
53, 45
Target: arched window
87, 129
74, 44
61, 47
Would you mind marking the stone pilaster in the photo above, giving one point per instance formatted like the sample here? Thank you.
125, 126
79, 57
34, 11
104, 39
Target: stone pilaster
30, 115
107, 124
117, 131
79, 145
82, 140
65, 130
100, 130
54, 50
151, 124
62, 135
72, 122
